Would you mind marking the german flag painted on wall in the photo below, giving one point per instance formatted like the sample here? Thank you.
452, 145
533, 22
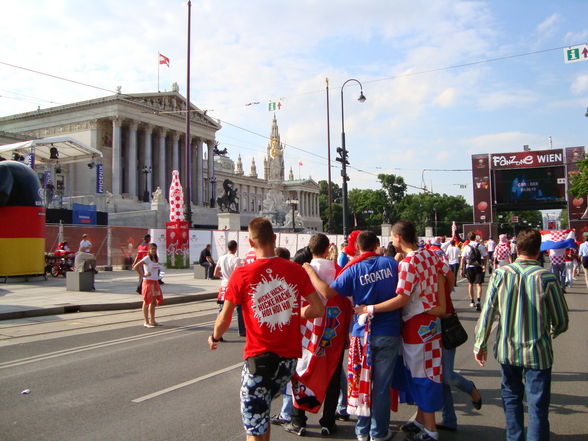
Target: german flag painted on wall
22, 240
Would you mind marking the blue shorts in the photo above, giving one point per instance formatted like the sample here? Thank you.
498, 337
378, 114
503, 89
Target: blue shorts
257, 393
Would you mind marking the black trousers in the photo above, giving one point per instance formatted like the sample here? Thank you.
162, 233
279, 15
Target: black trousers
329, 405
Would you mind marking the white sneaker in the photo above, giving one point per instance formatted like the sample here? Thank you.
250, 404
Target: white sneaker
388, 437
363, 438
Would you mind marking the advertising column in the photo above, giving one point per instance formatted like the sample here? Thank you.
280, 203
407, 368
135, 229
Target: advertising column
482, 189
577, 207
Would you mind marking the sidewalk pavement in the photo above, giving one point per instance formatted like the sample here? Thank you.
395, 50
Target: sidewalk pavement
114, 290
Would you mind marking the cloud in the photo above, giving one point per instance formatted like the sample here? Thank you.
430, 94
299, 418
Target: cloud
580, 84
503, 99
504, 142
548, 27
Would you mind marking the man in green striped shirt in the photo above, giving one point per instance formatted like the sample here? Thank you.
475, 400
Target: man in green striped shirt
532, 310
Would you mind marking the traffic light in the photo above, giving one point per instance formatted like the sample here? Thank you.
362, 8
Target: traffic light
342, 156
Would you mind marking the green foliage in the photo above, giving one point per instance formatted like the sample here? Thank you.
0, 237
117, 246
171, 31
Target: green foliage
435, 210
395, 190
367, 207
527, 218
579, 182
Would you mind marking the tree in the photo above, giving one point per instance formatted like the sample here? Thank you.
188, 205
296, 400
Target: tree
395, 190
366, 208
336, 194
527, 218
435, 210
579, 181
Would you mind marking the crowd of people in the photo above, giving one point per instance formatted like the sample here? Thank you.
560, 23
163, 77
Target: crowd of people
299, 320
385, 305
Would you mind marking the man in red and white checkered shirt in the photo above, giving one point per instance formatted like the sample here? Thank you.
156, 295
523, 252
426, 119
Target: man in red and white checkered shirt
502, 252
558, 265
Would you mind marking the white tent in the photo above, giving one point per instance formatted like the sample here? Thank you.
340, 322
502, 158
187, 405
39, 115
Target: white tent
69, 149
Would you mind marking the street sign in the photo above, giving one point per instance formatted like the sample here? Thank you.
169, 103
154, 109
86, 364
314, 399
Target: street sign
576, 53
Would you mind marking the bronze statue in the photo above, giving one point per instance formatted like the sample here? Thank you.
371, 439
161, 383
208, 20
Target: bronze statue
229, 200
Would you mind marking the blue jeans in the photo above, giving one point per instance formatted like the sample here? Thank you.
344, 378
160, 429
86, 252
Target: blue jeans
287, 405
384, 354
537, 387
452, 379
560, 273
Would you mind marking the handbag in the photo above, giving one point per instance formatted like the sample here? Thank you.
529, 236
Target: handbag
453, 333
265, 364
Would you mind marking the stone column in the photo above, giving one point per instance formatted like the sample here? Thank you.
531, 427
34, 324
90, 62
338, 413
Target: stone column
94, 142
210, 167
199, 171
148, 161
132, 158
299, 197
161, 162
176, 152
116, 156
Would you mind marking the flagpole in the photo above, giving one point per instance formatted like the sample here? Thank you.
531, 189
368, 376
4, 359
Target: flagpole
330, 194
158, 64
188, 140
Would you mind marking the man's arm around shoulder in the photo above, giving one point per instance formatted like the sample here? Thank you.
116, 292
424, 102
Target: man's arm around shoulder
315, 307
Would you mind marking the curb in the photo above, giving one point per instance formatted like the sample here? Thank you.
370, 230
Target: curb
67, 309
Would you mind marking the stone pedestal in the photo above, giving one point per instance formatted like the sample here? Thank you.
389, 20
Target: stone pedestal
229, 221
428, 231
76, 281
386, 231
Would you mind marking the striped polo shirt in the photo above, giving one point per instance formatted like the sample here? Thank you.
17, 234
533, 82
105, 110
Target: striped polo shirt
531, 307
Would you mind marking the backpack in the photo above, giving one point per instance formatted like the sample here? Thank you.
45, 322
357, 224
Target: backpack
474, 257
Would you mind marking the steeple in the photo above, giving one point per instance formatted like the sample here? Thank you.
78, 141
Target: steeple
275, 131
239, 166
253, 171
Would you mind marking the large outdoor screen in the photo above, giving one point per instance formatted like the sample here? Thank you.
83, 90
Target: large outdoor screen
529, 188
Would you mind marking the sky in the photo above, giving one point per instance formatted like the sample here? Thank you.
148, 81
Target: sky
443, 79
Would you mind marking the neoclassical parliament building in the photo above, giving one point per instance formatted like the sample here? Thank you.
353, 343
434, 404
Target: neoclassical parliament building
142, 139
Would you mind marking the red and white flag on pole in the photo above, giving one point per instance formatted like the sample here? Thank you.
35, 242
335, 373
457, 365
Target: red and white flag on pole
163, 60
299, 163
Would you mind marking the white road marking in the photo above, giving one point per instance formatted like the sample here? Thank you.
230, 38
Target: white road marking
186, 383
65, 352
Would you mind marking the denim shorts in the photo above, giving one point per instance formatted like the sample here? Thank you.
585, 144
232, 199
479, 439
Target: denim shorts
257, 393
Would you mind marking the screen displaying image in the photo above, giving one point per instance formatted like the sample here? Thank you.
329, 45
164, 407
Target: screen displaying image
529, 185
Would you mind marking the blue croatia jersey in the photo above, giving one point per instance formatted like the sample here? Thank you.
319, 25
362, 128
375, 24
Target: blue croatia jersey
369, 282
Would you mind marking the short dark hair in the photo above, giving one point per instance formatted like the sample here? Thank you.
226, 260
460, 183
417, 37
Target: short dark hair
406, 230
367, 241
529, 242
232, 245
390, 250
282, 252
472, 235
303, 255
261, 231
147, 236
318, 244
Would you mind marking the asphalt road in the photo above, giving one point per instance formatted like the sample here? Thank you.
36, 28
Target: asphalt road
102, 376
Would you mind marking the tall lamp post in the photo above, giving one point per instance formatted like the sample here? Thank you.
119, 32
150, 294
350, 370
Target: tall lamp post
293, 203
343, 155
146, 170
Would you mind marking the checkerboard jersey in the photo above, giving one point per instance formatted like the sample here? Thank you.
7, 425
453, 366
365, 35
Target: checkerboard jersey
417, 278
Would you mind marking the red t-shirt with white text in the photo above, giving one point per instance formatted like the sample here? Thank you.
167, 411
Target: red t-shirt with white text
270, 291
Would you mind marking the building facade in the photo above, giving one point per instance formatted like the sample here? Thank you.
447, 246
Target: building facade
142, 138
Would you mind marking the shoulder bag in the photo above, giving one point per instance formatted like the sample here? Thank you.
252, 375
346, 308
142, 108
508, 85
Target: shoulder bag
453, 333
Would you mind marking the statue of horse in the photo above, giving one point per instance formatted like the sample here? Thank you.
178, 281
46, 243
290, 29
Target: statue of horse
229, 200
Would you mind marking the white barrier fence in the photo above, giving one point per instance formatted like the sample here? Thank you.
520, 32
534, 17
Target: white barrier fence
219, 239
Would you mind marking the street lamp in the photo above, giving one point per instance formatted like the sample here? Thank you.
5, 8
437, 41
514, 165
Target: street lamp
212, 181
343, 154
146, 170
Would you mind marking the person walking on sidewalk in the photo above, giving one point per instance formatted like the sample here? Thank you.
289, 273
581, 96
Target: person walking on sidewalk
473, 262
142, 251
271, 291
224, 268
149, 268
531, 309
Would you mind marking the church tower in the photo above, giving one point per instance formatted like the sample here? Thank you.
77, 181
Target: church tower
275, 155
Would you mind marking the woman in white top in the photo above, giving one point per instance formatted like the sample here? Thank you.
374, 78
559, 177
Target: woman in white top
150, 290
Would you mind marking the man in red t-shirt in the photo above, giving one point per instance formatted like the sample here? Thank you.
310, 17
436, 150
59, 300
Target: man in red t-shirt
142, 251
270, 291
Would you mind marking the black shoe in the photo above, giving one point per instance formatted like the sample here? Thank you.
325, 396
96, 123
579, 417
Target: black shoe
326, 431
478, 308
342, 416
477, 404
278, 420
293, 428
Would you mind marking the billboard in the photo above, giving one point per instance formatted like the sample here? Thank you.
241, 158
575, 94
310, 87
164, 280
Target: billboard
576, 206
529, 188
482, 190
